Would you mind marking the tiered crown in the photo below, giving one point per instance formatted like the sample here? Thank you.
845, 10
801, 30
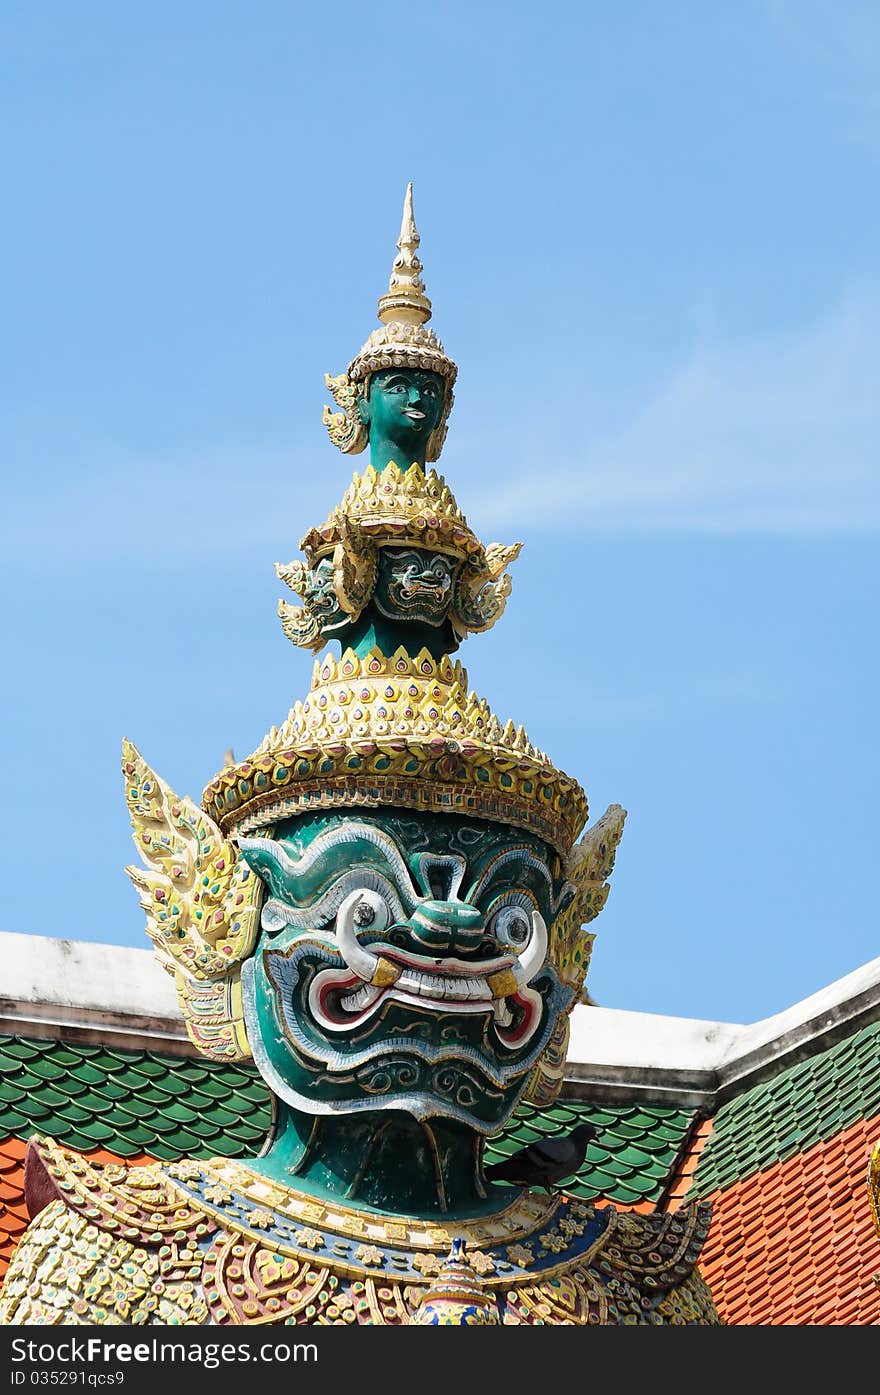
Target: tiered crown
412, 507
398, 731
398, 576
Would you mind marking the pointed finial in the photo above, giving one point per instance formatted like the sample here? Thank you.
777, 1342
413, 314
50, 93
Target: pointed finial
406, 302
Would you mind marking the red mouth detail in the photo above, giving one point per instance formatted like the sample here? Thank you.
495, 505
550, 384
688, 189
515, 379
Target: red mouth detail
341, 1001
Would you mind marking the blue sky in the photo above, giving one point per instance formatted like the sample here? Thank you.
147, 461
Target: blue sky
650, 235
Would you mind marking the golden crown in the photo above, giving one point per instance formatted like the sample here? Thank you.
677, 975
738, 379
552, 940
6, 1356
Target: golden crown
396, 506
398, 731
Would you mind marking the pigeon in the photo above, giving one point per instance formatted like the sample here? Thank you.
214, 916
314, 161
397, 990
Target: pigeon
546, 1162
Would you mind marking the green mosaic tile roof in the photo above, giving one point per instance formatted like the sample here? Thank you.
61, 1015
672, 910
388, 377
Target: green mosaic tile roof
807, 1104
130, 1101
627, 1163
169, 1106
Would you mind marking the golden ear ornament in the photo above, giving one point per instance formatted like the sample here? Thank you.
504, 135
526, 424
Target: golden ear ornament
202, 905
354, 568
345, 428
299, 622
587, 867
482, 589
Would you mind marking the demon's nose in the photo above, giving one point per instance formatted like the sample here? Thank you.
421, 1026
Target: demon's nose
447, 925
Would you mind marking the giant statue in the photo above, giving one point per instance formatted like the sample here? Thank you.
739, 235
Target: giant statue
385, 907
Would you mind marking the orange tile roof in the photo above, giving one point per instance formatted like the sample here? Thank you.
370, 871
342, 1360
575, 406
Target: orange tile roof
680, 1180
13, 1212
795, 1244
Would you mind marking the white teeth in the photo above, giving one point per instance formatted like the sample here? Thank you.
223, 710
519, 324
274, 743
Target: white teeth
503, 1015
439, 986
476, 988
420, 985
361, 998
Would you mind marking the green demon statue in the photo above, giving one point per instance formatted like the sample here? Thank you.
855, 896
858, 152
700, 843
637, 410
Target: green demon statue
384, 907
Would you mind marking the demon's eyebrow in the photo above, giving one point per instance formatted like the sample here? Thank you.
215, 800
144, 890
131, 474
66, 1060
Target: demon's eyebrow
524, 857
282, 872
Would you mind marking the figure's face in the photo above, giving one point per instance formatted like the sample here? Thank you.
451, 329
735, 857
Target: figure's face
414, 584
403, 407
402, 964
321, 597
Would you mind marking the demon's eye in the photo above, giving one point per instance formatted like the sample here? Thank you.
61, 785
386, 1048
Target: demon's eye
511, 926
371, 911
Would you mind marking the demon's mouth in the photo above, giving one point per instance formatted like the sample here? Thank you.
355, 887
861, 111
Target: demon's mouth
340, 1001
414, 585
343, 999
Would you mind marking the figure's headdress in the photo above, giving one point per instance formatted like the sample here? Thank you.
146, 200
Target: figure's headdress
400, 730
401, 341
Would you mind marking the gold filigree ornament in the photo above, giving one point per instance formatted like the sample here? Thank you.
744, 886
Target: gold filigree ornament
353, 555
202, 904
401, 341
346, 428
588, 867
354, 568
398, 731
299, 622
482, 589
395, 507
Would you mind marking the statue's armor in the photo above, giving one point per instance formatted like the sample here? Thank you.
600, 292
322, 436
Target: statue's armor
214, 1242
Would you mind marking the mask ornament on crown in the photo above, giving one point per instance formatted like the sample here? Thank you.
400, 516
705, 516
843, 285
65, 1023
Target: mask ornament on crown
386, 908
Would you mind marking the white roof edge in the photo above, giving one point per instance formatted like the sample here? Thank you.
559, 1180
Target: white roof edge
54, 987
697, 1062
64, 987
827, 1002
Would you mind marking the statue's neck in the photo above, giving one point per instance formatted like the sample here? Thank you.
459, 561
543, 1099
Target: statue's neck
382, 1160
374, 631
383, 451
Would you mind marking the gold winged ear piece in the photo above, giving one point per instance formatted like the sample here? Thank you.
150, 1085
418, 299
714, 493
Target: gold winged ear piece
587, 867
202, 905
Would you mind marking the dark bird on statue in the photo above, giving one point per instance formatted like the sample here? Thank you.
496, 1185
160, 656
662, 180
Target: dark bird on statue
546, 1162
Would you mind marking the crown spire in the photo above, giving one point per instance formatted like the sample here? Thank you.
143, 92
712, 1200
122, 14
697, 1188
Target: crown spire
402, 339
406, 301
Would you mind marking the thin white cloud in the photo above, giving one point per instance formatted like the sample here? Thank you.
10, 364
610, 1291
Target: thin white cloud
107, 502
775, 435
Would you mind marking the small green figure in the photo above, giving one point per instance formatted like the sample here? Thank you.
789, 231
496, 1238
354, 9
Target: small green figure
401, 409
397, 392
